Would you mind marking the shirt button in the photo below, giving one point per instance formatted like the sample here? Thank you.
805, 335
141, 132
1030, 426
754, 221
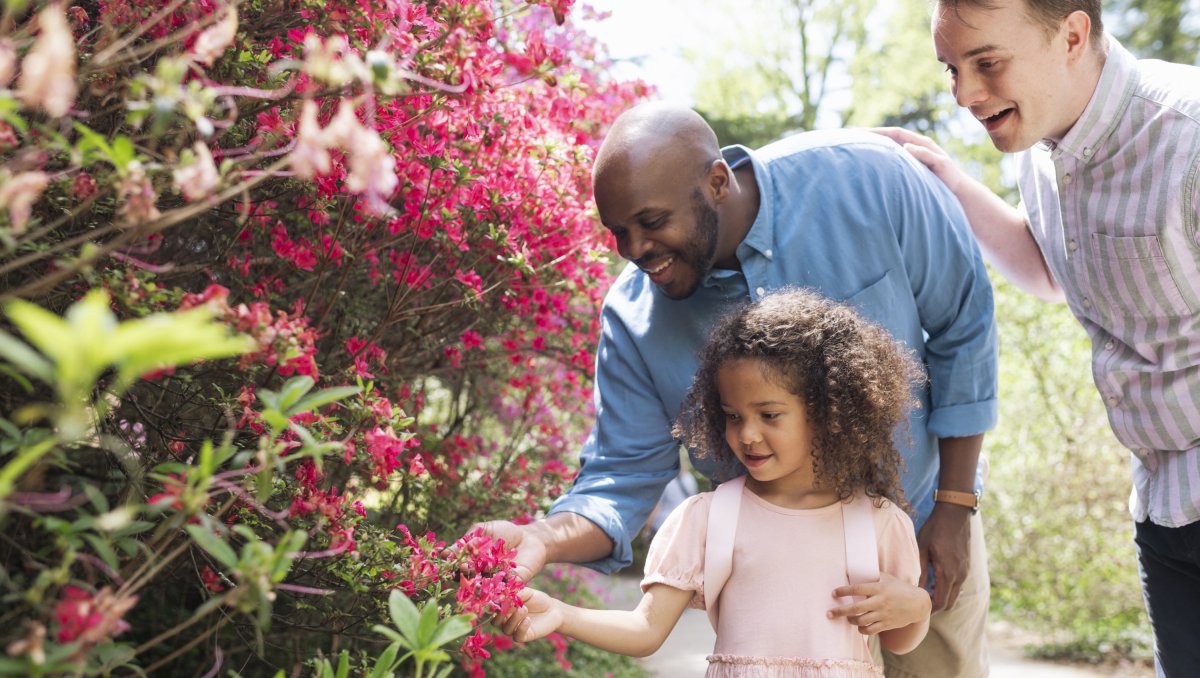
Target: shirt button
1113, 400
1109, 345
1072, 245
768, 254
1087, 303
760, 291
1066, 180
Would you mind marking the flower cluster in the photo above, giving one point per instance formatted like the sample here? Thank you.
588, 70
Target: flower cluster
390, 199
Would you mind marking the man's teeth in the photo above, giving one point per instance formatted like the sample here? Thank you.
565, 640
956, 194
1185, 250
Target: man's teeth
661, 267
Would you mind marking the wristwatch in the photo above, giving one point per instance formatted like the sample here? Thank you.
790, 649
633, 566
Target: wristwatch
968, 499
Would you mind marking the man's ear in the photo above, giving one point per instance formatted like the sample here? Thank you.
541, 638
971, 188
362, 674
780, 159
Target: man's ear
719, 181
1077, 29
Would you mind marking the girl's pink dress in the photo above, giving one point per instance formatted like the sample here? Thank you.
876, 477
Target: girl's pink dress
786, 564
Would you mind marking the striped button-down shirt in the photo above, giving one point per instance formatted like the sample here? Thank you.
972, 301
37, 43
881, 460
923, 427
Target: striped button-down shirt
1114, 207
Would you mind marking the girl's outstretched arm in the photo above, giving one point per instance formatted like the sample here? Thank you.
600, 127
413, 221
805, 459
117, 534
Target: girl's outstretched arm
636, 633
893, 609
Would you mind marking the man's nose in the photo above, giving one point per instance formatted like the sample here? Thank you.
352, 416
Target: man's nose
968, 90
636, 246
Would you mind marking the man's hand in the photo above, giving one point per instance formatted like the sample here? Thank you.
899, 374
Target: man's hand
889, 603
531, 550
558, 538
944, 543
928, 153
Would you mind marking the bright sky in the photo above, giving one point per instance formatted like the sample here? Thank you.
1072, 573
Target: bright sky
647, 37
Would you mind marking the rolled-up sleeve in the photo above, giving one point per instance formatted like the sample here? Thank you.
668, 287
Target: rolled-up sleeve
954, 300
629, 456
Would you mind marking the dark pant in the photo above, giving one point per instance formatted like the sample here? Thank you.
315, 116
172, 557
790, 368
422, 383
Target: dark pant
1170, 568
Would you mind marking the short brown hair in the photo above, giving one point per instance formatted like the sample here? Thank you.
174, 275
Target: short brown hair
856, 381
1048, 13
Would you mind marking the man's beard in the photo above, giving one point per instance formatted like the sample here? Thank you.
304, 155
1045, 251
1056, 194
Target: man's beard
700, 252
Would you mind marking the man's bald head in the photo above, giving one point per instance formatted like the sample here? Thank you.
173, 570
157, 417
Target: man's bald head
668, 134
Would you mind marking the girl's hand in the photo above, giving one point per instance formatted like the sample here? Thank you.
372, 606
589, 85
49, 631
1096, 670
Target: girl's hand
540, 616
890, 603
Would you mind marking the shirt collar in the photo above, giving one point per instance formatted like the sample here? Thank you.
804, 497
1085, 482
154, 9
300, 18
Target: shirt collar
1100, 118
761, 237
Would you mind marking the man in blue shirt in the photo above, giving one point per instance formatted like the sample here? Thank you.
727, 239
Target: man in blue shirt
844, 212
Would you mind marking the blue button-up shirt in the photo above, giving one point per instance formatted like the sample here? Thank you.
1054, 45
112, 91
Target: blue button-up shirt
849, 214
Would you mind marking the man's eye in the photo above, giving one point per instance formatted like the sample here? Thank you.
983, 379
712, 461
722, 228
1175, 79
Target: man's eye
985, 65
951, 70
654, 224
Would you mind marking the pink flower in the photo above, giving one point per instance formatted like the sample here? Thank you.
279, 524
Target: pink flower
331, 60
48, 73
83, 187
215, 39
91, 619
212, 581
372, 170
139, 196
310, 156
19, 193
198, 179
8, 61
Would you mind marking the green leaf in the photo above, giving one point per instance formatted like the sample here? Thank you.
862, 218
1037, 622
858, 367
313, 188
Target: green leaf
96, 497
48, 333
343, 668
451, 628
215, 546
91, 139
292, 391
171, 339
404, 614
385, 662
134, 527
206, 464
17, 377
26, 359
391, 634
122, 151
427, 624
431, 655
322, 397
104, 550
291, 543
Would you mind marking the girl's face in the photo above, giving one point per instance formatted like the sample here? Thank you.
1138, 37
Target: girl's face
767, 427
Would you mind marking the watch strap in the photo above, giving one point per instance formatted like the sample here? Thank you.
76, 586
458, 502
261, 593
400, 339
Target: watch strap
968, 499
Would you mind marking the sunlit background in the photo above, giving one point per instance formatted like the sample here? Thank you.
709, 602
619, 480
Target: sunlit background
1059, 534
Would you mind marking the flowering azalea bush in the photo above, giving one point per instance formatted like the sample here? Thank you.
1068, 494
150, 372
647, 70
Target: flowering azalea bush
295, 291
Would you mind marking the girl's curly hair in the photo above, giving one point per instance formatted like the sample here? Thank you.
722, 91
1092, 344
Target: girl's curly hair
856, 381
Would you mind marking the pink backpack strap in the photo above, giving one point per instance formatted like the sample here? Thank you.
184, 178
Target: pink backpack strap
862, 554
718, 543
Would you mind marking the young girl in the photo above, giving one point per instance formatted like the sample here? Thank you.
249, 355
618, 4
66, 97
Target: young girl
805, 395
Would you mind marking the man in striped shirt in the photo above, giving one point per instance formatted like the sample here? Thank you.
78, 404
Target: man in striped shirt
1110, 222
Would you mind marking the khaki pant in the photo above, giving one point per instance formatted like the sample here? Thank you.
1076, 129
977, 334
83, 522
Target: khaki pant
956, 646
